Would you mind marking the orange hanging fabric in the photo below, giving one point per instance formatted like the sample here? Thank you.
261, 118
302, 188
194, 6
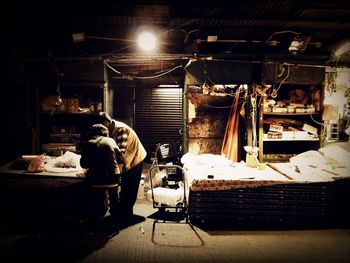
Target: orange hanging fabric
230, 143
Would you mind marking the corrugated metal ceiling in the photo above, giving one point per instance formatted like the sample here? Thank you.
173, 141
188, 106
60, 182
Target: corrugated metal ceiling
181, 24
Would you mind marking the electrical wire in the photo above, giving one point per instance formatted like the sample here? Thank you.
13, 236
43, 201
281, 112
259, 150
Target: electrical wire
161, 74
59, 99
116, 71
225, 107
275, 91
281, 32
217, 107
312, 118
146, 77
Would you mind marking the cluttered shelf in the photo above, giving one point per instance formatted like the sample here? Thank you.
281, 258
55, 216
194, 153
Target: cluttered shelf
65, 114
64, 131
291, 115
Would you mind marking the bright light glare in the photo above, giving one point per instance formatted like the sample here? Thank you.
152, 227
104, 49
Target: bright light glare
342, 49
147, 41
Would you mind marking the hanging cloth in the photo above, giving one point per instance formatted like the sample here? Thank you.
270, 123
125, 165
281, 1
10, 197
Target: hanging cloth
230, 145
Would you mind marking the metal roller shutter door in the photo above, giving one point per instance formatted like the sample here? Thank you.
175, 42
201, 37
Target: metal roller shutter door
158, 115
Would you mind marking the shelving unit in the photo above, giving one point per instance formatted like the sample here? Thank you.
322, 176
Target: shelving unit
63, 126
294, 138
293, 107
289, 142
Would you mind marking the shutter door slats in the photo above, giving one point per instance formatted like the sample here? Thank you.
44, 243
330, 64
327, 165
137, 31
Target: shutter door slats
158, 116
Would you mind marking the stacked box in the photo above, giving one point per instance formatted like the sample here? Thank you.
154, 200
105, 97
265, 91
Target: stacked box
284, 205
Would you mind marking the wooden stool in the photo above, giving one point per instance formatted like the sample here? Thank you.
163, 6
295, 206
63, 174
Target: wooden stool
106, 187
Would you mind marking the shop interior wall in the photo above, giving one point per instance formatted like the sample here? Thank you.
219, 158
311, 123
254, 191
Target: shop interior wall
15, 112
19, 97
206, 130
23, 77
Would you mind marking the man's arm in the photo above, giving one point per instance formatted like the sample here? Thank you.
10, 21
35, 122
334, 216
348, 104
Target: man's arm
121, 139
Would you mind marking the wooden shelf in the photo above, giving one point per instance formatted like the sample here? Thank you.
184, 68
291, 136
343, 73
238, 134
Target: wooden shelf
68, 117
291, 140
288, 143
289, 113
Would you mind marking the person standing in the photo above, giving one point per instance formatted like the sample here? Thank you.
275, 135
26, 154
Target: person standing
133, 156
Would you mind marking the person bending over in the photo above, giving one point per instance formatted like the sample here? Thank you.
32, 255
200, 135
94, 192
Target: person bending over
101, 156
133, 155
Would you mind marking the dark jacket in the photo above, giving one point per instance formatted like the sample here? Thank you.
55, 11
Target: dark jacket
101, 156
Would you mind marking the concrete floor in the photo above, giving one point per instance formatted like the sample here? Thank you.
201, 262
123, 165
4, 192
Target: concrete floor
146, 241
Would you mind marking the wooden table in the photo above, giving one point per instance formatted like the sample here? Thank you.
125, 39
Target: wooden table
11, 178
39, 197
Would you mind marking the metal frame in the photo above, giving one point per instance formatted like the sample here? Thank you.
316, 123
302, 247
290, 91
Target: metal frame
181, 211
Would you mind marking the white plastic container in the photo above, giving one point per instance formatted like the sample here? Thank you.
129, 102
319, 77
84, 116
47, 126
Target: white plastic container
166, 196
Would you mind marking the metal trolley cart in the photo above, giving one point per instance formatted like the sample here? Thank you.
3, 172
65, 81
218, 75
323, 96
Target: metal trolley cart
171, 197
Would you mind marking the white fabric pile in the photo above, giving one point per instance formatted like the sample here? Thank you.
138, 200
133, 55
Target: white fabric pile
328, 163
217, 167
68, 162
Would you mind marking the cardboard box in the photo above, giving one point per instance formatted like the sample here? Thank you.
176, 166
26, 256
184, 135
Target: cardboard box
51, 104
302, 135
73, 105
58, 149
279, 109
274, 135
65, 137
276, 128
310, 129
288, 135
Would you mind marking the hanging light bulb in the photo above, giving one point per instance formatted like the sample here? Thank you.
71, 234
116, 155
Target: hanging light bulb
147, 41
342, 49
59, 101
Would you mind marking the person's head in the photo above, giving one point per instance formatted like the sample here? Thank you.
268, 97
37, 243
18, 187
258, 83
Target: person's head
105, 119
97, 130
